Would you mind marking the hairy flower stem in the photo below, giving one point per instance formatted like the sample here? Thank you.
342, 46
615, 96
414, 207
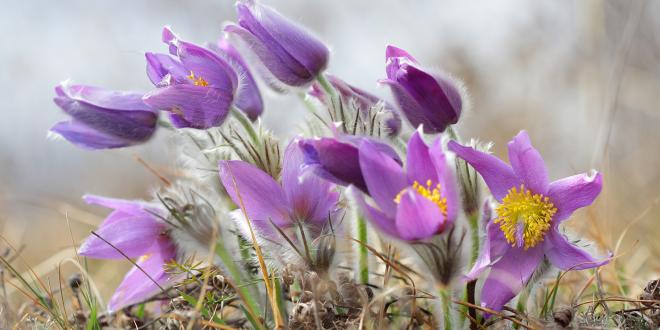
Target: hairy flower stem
473, 221
362, 249
236, 274
327, 86
247, 125
445, 302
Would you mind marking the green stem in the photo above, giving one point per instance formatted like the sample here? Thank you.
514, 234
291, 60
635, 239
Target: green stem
246, 123
445, 303
326, 85
473, 220
237, 276
364, 253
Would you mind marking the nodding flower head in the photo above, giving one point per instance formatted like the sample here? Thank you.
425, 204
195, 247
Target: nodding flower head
194, 84
301, 206
525, 226
412, 204
289, 52
102, 118
425, 98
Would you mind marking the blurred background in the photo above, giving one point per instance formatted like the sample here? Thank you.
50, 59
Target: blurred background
583, 77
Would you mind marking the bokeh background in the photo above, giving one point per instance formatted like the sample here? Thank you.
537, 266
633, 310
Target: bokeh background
583, 77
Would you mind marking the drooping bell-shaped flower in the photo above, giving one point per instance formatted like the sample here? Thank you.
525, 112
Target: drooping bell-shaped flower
338, 159
414, 203
363, 100
195, 85
134, 229
289, 52
525, 226
425, 98
102, 118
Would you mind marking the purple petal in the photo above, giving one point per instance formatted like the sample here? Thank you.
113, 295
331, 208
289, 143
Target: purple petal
203, 63
565, 255
115, 118
160, 66
494, 246
375, 216
310, 197
528, 164
248, 97
132, 228
136, 286
571, 193
497, 174
446, 179
192, 106
289, 52
86, 137
419, 165
417, 217
263, 198
509, 275
383, 175
335, 161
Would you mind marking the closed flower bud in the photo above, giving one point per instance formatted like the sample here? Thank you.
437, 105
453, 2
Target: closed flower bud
288, 51
102, 118
425, 98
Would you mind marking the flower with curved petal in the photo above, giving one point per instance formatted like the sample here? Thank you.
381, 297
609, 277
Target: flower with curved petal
337, 159
289, 52
134, 229
525, 228
102, 118
414, 203
195, 85
300, 198
425, 98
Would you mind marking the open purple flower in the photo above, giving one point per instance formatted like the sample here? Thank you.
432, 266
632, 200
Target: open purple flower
197, 87
288, 51
413, 204
337, 159
525, 227
134, 229
423, 97
300, 198
102, 118
362, 99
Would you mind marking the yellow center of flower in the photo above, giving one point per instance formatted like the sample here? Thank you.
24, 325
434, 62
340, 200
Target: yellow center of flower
524, 218
429, 192
197, 81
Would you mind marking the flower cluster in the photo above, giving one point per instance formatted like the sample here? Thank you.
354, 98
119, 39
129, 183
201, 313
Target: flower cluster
400, 177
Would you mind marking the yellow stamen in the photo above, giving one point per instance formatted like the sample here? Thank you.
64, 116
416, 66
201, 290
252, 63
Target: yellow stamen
524, 217
197, 81
429, 192
144, 257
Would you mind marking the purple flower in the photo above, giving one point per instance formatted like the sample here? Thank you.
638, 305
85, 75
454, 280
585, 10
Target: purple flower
424, 98
413, 204
337, 159
102, 118
134, 229
525, 227
300, 198
197, 87
361, 98
288, 51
